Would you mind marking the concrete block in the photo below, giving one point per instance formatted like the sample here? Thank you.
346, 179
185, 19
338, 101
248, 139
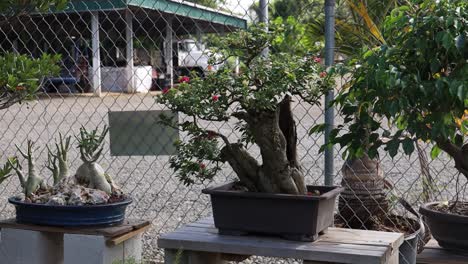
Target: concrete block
90, 249
28, 247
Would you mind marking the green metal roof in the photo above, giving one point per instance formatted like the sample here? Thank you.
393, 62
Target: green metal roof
175, 7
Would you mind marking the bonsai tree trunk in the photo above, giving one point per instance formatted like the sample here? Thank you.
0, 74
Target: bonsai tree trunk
275, 134
364, 196
459, 154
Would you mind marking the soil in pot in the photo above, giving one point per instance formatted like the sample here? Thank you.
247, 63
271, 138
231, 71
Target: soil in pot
457, 208
448, 222
399, 224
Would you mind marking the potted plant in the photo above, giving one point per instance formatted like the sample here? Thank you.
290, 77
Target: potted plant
89, 198
417, 83
258, 101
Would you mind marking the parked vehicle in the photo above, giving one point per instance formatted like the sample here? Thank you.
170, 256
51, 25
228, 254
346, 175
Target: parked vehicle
192, 57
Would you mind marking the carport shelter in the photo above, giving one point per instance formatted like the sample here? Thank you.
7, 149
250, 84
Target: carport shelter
105, 32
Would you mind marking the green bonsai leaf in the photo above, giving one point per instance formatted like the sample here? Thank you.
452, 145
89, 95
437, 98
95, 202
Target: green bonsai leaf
197, 160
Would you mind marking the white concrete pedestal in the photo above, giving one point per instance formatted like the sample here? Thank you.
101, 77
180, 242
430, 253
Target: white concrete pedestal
30, 247
30, 244
80, 249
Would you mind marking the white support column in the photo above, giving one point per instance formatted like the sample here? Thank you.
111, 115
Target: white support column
198, 33
168, 56
96, 74
131, 86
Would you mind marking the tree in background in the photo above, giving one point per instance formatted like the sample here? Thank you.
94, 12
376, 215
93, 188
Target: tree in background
21, 76
358, 22
17, 7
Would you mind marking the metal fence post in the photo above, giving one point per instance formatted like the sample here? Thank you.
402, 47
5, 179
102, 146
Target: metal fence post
264, 16
329, 111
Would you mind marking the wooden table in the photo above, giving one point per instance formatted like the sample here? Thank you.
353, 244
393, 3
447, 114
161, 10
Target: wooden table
434, 254
35, 244
199, 243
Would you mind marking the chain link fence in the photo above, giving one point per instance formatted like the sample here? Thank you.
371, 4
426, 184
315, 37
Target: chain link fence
117, 55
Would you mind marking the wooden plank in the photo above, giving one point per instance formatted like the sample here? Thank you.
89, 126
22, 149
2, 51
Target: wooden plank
343, 253
337, 245
119, 239
342, 235
335, 235
366, 233
278, 245
112, 231
434, 254
439, 256
364, 237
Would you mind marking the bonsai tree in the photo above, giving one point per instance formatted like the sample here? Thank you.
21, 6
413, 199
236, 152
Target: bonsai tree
259, 101
415, 87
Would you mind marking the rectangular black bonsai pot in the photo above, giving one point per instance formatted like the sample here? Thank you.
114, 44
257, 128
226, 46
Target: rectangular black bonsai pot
295, 217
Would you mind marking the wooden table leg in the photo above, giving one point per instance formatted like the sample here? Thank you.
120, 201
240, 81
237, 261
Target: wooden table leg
394, 258
173, 256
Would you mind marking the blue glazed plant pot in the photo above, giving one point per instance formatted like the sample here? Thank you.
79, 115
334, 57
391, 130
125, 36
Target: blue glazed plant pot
70, 216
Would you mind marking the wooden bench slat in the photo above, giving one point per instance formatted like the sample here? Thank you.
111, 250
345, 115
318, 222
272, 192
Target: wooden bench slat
333, 234
434, 254
112, 231
344, 253
122, 238
213, 231
274, 243
337, 245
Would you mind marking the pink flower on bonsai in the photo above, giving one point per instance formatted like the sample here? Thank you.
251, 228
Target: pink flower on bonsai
184, 79
317, 59
323, 74
166, 90
215, 98
202, 166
